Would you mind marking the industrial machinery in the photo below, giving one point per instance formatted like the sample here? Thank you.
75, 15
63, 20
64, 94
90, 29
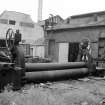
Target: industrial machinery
12, 62
13, 69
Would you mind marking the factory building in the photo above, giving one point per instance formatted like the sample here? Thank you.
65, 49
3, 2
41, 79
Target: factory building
38, 48
63, 39
30, 30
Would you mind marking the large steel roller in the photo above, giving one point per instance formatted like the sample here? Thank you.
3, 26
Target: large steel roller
32, 67
56, 74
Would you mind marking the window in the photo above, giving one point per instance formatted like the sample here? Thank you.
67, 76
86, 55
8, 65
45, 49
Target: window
4, 21
12, 22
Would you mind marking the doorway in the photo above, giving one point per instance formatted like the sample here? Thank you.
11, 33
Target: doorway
73, 52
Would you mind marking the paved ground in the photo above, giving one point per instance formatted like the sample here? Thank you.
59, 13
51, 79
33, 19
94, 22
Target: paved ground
87, 91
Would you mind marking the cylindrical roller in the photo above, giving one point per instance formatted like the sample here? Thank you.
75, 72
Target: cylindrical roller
56, 74
31, 67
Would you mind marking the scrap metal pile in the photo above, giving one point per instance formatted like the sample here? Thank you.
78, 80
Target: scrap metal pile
15, 70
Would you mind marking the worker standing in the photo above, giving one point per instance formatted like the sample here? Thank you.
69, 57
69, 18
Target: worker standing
17, 51
84, 51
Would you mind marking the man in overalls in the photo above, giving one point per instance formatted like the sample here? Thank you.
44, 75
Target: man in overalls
84, 51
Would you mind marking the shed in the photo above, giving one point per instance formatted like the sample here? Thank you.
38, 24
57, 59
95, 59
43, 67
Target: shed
38, 48
63, 39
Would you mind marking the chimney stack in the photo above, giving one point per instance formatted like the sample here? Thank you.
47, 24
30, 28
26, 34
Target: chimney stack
40, 6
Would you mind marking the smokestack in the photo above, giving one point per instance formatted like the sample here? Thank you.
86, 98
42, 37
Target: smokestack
40, 6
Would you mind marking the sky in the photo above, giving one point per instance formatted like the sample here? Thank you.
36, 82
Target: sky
64, 8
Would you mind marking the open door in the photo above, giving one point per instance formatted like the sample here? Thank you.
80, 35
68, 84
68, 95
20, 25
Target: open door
73, 52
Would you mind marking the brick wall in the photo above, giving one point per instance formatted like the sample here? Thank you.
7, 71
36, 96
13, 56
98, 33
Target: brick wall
76, 35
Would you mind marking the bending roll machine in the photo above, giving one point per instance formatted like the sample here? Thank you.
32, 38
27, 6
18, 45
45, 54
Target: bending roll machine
13, 69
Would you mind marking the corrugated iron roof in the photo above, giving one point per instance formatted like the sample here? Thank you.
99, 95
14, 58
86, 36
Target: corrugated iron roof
91, 23
88, 14
73, 26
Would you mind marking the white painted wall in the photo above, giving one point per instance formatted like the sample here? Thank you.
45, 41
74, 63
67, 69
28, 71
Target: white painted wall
38, 51
63, 52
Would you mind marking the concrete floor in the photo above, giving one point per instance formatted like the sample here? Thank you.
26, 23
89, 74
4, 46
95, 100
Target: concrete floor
86, 91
